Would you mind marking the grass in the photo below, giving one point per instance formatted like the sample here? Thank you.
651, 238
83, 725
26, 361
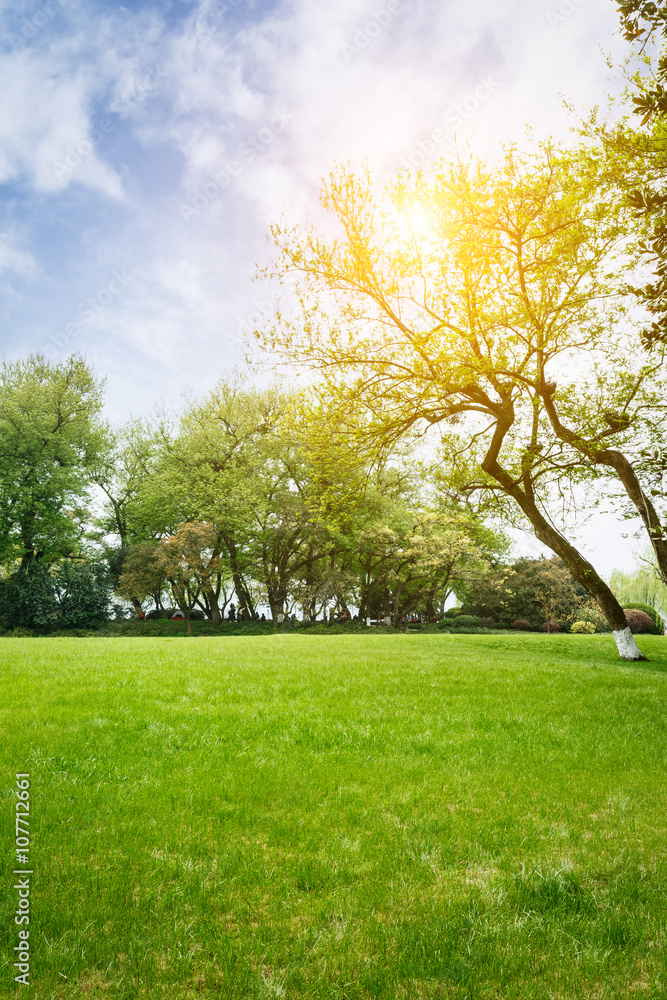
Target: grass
426, 816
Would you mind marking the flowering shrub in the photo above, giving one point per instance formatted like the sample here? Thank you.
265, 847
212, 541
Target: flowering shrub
583, 628
550, 627
521, 623
638, 621
658, 627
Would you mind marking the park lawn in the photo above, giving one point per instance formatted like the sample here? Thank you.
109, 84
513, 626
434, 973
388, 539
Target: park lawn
343, 817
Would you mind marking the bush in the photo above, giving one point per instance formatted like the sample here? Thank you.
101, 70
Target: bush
638, 621
658, 625
521, 623
583, 628
487, 622
27, 599
65, 596
83, 594
452, 612
550, 627
588, 611
466, 621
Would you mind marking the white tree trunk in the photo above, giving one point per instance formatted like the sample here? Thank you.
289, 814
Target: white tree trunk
627, 647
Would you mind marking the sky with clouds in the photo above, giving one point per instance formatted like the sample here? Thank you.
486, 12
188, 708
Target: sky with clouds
145, 149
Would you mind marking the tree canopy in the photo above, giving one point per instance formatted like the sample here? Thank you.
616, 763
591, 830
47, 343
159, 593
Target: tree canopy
487, 300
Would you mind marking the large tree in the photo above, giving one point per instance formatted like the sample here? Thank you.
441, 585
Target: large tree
645, 147
50, 442
463, 299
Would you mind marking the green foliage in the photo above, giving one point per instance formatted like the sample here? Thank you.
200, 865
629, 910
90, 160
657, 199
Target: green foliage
641, 585
50, 441
531, 589
658, 624
28, 600
69, 595
83, 594
638, 621
642, 21
466, 620
582, 628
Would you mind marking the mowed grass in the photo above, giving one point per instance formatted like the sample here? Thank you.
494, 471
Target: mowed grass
339, 817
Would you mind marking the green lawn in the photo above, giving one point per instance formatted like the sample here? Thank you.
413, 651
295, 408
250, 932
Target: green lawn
343, 817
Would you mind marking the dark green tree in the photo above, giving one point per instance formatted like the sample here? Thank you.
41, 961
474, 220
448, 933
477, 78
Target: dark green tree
50, 442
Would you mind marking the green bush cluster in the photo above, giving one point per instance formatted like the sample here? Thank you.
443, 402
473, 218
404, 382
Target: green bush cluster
583, 628
657, 624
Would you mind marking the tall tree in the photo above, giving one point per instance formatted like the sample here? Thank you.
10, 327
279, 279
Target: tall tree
645, 25
456, 297
50, 442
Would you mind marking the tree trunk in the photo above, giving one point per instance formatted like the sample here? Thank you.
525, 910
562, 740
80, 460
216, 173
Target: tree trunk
239, 584
627, 647
645, 509
397, 604
212, 602
625, 472
579, 567
387, 606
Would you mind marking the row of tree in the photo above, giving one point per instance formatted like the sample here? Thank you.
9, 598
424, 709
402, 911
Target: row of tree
507, 305
251, 497
246, 497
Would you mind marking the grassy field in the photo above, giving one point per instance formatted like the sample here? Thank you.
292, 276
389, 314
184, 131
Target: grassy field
338, 817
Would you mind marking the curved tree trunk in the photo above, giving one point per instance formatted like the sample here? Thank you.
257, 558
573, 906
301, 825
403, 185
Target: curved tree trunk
579, 567
625, 472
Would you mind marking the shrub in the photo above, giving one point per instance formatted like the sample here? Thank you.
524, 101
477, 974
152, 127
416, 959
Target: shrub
452, 612
583, 628
83, 594
521, 623
466, 621
588, 611
658, 626
550, 627
27, 599
487, 622
638, 621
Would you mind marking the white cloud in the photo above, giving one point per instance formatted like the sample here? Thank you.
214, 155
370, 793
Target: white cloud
14, 258
46, 135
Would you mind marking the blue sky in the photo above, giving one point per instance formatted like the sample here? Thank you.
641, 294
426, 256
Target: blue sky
145, 149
